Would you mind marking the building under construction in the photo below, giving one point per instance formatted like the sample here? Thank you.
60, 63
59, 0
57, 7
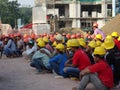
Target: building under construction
78, 13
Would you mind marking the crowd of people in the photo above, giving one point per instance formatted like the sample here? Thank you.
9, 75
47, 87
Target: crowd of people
90, 58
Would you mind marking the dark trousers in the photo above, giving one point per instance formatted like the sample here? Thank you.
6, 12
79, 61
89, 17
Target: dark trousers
38, 64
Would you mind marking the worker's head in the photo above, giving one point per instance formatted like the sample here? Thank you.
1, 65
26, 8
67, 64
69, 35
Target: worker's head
45, 39
41, 44
60, 48
115, 34
99, 53
99, 37
109, 44
91, 46
74, 44
58, 38
95, 24
30, 43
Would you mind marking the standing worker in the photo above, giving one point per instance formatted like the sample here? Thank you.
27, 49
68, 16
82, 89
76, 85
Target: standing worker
97, 31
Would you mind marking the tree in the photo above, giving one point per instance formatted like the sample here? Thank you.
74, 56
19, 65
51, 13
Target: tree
9, 12
26, 14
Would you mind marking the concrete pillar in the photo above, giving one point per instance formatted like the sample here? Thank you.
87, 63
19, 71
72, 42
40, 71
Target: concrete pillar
78, 10
74, 22
104, 9
67, 11
72, 11
113, 8
75, 12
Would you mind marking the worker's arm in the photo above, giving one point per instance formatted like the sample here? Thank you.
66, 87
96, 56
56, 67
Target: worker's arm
84, 72
68, 63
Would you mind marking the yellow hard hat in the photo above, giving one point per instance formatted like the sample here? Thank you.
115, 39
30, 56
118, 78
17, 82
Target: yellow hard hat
109, 43
98, 43
39, 39
109, 37
68, 43
114, 34
74, 43
99, 36
60, 47
119, 38
103, 45
92, 44
82, 42
45, 39
54, 44
41, 43
99, 51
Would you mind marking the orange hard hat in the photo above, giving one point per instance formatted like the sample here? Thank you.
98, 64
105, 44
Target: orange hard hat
78, 35
45, 34
33, 36
68, 36
95, 24
25, 35
73, 36
25, 40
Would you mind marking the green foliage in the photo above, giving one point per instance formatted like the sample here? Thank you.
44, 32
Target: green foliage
26, 14
10, 12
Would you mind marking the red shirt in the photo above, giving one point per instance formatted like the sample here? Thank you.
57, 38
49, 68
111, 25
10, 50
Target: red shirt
81, 60
104, 72
117, 43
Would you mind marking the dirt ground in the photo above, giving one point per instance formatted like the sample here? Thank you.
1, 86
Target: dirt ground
16, 74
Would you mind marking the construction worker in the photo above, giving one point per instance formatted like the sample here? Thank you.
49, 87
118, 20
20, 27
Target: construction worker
119, 38
31, 48
97, 31
82, 43
89, 50
10, 49
47, 45
99, 39
73, 36
64, 37
40, 59
100, 73
79, 61
58, 40
57, 62
115, 36
113, 58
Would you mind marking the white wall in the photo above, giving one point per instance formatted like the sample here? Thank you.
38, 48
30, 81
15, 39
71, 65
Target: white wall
39, 15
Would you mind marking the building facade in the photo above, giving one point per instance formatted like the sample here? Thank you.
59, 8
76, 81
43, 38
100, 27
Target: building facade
78, 13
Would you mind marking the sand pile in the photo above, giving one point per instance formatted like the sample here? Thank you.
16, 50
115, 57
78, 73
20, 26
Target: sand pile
112, 25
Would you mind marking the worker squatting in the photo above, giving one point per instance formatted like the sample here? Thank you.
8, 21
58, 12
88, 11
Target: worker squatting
90, 58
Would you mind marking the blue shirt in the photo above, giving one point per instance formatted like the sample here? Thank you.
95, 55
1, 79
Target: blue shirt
11, 45
60, 59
